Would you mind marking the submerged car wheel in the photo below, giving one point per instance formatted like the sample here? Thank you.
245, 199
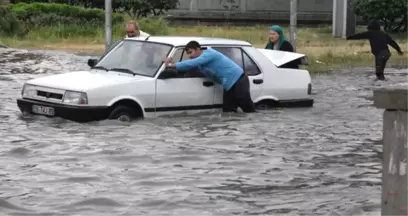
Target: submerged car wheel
266, 104
123, 113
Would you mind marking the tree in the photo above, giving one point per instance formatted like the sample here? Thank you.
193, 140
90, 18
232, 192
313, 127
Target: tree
393, 13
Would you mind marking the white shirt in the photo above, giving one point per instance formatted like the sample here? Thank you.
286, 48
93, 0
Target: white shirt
142, 34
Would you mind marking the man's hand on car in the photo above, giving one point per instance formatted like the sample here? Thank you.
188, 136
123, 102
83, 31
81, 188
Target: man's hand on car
168, 61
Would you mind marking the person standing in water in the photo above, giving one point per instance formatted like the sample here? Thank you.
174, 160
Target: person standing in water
277, 41
222, 70
379, 41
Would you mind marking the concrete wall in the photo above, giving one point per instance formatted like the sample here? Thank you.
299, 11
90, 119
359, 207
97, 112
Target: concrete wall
246, 11
395, 147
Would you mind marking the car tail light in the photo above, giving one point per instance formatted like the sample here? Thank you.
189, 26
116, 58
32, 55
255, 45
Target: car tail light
309, 88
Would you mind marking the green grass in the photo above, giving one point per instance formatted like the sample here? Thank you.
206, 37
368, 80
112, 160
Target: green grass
324, 51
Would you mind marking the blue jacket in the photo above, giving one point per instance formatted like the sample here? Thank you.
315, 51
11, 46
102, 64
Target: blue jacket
215, 65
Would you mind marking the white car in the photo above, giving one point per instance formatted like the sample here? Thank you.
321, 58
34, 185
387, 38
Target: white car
131, 81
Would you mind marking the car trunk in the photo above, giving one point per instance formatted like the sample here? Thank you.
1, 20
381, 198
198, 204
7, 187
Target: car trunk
280, 58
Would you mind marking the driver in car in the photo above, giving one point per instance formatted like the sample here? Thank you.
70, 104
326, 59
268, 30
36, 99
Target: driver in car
222, 70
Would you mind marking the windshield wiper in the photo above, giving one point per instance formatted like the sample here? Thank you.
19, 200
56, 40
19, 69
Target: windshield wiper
125, 70
100, 67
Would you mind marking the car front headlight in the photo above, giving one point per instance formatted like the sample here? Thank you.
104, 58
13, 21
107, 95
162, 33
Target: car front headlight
72, 97
28, 91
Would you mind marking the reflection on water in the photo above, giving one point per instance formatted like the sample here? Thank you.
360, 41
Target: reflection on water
309, 161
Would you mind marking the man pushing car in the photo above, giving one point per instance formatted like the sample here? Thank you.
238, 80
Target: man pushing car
222, 70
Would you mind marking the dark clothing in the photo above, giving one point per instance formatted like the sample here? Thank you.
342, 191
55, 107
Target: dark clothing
238, 96
287, 46
380, 63
379, 42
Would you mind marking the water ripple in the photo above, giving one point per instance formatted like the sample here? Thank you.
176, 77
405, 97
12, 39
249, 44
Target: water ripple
308, 161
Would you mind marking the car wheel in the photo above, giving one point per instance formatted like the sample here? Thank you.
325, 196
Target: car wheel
123, 113
266, 104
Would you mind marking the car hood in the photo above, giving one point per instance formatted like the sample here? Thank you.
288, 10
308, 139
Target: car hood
280, 58
84, 80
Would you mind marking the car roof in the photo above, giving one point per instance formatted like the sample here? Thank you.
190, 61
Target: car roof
183, 40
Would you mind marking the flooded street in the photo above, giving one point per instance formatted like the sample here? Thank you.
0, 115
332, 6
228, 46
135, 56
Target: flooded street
324, 160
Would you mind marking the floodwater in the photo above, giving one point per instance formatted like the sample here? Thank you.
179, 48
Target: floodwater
303, 161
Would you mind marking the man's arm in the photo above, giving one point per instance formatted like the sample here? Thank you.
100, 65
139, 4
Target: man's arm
359, 36
394, 44
204, 58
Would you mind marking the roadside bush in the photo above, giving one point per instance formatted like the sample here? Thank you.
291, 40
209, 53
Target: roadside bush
154, 25
393, 13
53, 21
52, 14
9, 24
134, 8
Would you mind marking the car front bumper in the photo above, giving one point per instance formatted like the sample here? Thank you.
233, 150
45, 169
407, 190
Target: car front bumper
69, 112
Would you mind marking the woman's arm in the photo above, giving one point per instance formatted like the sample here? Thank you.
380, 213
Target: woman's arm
286, 46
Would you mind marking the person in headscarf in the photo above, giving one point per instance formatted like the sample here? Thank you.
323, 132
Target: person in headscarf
277, 41
379, 41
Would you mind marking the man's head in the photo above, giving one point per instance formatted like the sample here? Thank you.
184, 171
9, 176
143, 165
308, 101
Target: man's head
373, 25
132, 29
193, 49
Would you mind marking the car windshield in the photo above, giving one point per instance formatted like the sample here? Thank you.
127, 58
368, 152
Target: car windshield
135, 57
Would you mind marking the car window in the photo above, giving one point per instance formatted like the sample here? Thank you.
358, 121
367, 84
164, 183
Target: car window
234, 53
250, 67
177, 54
141, 57
241, 58
181, 55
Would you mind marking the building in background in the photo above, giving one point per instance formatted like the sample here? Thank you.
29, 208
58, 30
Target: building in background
251, 11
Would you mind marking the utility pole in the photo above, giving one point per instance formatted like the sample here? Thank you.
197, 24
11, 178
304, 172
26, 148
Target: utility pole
108, 23
293, 22
344, 19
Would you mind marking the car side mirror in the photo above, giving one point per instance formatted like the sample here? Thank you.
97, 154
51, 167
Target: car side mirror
92, 62
168, 73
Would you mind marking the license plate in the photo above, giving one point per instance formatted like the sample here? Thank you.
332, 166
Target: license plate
43, 110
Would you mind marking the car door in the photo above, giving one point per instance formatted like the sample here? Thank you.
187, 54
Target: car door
239, 56
189, 91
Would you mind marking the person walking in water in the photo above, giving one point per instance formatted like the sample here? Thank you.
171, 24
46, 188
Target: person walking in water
379, 41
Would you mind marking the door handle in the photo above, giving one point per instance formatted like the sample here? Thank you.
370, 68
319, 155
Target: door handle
257, 81
208, 83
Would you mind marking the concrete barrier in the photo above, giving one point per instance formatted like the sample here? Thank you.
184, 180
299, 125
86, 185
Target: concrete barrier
395, 146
